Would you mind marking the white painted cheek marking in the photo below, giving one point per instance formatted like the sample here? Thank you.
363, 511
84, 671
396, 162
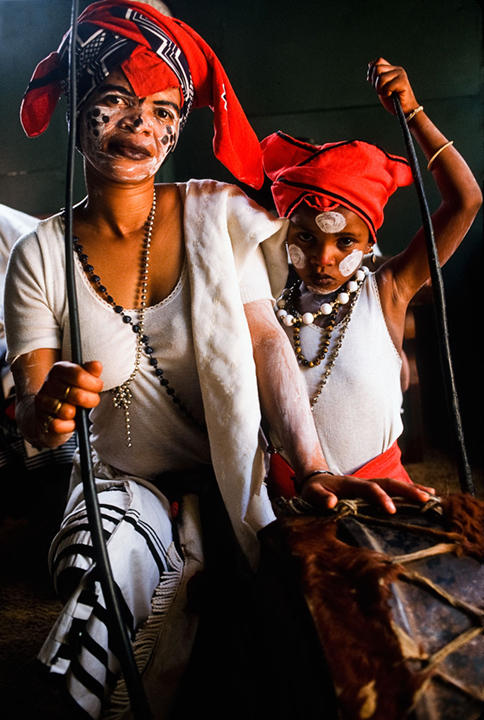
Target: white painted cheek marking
330, 222
350, 263
297, 256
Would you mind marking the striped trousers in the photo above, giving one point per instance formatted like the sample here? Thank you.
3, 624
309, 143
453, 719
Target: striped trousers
147, 570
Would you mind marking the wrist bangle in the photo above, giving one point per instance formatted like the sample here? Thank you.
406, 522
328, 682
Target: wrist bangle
436, 154
412, 113
299, 483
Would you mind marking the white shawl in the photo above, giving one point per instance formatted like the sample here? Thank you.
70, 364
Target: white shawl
222, 227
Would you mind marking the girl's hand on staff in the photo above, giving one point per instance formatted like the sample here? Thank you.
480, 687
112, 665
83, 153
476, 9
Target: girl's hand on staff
66, 387
325, 490
388, 79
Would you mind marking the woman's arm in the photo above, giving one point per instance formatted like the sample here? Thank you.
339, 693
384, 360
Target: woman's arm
285, 405
402, 276
48, 391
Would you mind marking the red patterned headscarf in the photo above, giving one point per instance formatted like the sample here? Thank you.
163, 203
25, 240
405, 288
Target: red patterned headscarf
155, 52
355, 174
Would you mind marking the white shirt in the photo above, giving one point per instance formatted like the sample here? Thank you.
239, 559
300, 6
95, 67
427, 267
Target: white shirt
358, 414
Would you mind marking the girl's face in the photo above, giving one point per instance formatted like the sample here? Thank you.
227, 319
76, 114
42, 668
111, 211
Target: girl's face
326, 248
126, 138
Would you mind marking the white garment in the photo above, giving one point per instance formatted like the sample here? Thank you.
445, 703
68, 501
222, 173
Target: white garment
201, 337
13, 224
222, 230
358, 414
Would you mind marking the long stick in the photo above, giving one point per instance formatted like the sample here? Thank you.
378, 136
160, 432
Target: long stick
116, 622
465, 476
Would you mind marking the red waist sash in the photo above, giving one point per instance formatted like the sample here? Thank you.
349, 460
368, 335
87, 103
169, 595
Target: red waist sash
387, 465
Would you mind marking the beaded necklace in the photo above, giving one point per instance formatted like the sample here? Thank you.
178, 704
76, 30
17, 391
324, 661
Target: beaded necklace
122, 395
289, 315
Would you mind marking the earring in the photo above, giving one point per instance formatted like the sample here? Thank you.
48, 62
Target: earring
371, 256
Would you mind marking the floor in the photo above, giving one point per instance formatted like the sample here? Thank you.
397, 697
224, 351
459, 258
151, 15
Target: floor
28, 606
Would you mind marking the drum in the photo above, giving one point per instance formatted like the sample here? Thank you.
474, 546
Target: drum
396, 603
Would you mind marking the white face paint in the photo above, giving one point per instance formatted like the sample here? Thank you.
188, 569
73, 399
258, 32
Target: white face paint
297, 256
330, 222
126, 138
351, 262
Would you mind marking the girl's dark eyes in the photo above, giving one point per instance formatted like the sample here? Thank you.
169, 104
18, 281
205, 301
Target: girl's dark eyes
305, 237
346, 242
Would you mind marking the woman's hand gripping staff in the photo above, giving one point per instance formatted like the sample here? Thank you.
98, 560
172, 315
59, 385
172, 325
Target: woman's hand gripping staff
47, 404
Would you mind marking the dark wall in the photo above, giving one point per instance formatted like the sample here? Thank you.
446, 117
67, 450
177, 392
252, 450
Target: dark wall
299, 67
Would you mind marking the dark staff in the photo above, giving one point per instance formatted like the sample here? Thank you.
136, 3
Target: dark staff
465, 476
117, 626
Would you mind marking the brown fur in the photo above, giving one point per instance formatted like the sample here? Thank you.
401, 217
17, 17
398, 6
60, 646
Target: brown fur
347, 589
464, 514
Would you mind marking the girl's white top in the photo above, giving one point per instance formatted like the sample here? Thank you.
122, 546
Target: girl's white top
358, 414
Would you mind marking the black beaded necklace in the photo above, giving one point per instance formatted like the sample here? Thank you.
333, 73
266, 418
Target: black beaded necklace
122, 394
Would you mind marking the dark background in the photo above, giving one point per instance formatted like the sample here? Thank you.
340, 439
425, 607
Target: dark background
300, 67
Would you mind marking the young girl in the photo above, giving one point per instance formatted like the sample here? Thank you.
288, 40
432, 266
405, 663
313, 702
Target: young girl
346, 324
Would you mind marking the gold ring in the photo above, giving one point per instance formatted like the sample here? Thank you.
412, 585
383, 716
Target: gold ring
57, 406
46, 424
67, 391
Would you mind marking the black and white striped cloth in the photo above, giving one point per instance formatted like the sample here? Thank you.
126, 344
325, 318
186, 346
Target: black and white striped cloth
147, 570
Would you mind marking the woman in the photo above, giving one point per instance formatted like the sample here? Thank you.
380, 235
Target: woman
346, 325
172, 383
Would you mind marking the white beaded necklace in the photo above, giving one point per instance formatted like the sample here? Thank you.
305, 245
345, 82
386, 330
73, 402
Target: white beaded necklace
288, 315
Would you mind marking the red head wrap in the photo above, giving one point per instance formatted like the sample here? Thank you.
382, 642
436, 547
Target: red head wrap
156, 52
356, 174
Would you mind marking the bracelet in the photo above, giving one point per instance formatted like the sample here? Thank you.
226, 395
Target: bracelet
434, 156
299, 483
412, 113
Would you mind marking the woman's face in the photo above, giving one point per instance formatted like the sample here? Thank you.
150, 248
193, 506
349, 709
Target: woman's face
126, 138
326, 248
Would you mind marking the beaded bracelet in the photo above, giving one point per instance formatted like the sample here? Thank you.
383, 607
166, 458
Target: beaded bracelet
434, 156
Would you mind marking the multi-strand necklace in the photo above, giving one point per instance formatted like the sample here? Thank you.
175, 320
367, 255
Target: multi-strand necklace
289, 315
122, 395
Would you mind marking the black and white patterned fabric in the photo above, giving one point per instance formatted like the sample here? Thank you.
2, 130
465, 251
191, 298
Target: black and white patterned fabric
147, 570
100, 51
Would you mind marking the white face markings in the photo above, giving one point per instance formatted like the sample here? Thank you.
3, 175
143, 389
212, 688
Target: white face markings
297, 256
330, 222
351, 262
126, 137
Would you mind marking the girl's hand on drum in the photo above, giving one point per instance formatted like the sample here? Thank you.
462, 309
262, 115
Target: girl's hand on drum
325, 490
67, 387
388, 79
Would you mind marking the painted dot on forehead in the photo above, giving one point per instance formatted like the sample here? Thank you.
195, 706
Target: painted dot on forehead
330, 222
